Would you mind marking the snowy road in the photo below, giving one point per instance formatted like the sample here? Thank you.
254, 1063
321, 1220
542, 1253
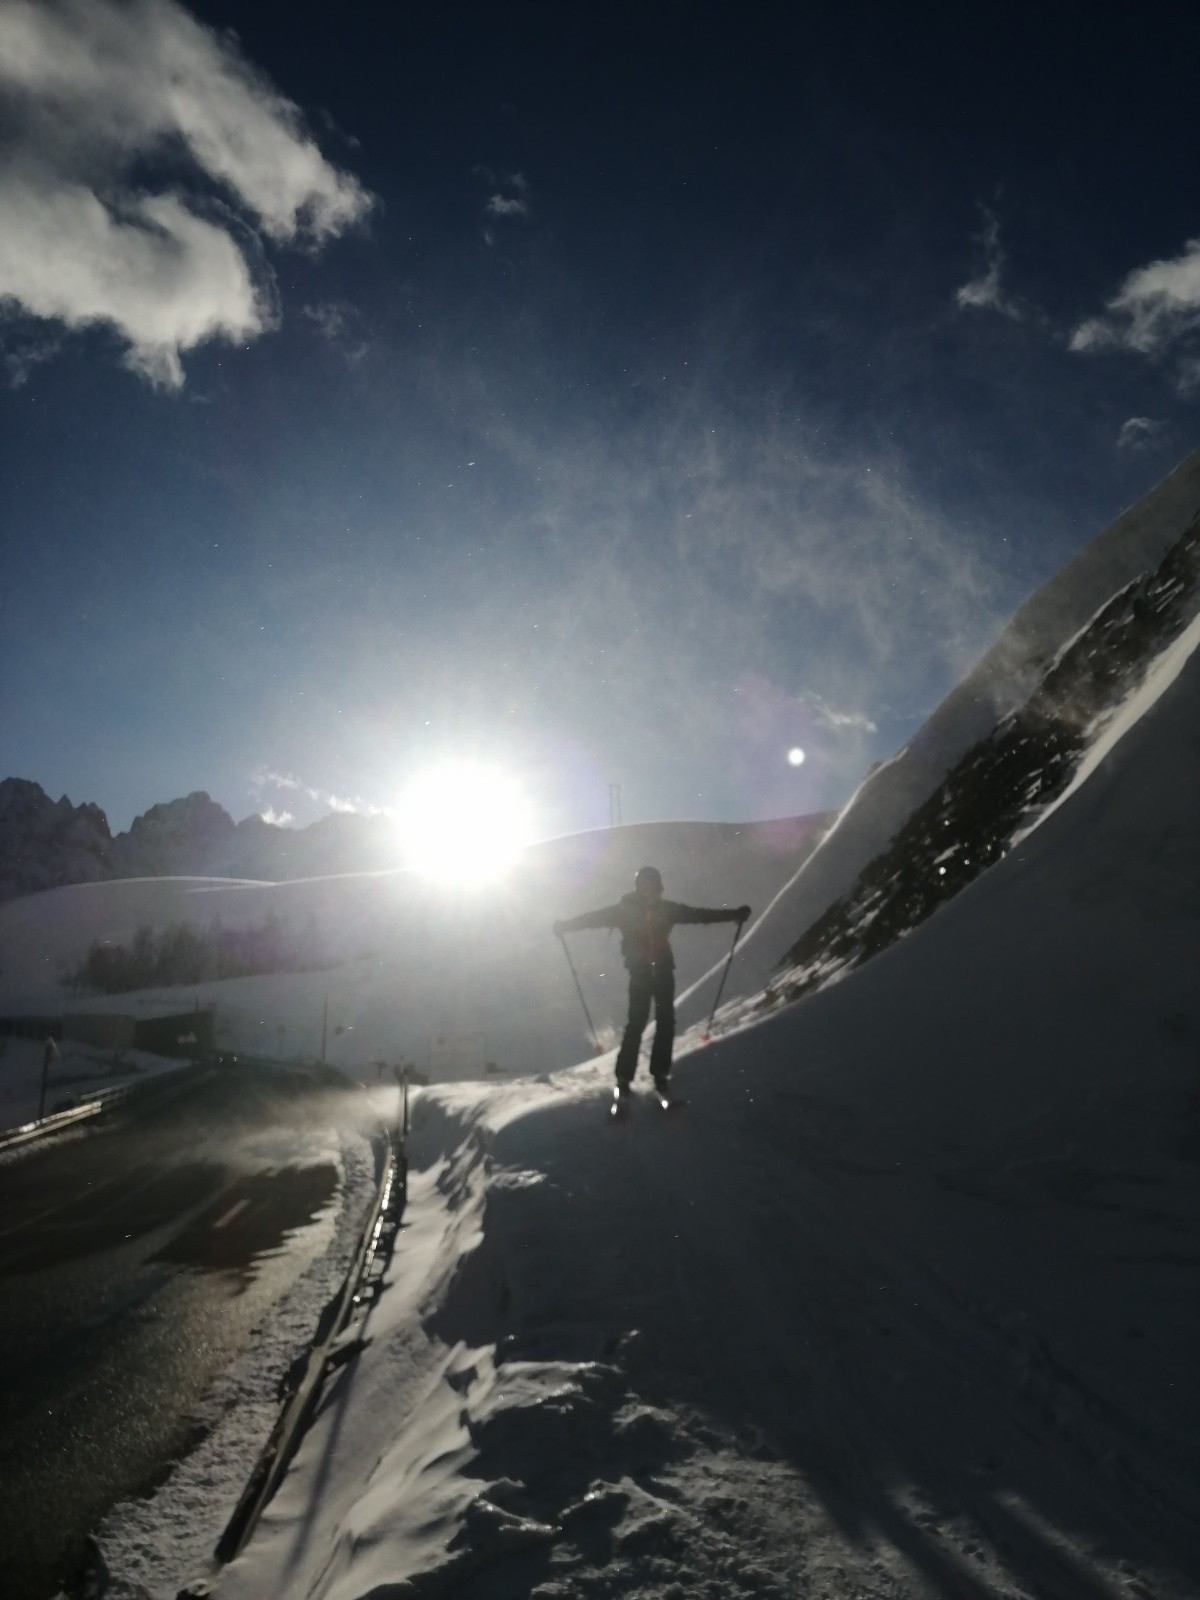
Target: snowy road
136, 1264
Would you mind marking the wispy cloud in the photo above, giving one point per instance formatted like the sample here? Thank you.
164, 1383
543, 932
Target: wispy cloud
26, 346
769, 721
828, 717
265, 779
984, 292
278, 819
97, 94
1155, 312
510, 200
502, 206
691, 543
341, 325
1139, 433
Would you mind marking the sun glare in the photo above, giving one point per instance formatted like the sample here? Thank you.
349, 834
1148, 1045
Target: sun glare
463, 823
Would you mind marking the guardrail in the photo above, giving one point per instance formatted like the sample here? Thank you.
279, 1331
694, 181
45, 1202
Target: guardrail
329, 1350
99, 1101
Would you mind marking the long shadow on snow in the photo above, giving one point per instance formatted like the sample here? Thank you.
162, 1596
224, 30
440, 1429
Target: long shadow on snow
667, 1321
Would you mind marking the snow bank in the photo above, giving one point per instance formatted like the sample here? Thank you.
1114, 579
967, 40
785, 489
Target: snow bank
75, 1072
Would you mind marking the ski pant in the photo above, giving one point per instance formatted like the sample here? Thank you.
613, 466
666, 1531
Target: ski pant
649, 981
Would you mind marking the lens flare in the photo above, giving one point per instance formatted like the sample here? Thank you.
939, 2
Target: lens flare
463, 823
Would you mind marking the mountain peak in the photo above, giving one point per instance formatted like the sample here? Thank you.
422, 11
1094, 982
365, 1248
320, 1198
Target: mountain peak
44, 842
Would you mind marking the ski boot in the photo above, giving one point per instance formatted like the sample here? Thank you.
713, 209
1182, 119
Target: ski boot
622, 1100
667, 1100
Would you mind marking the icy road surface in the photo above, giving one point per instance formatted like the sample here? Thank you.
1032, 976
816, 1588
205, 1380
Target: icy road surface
138, 1261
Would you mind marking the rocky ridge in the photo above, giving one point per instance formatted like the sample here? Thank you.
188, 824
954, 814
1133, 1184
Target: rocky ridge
46, 844
998, 790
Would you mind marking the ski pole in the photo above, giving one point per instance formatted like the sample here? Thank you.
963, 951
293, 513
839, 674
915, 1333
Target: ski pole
562, 939
721, 986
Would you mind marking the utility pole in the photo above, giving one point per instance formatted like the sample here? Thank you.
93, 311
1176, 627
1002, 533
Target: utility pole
614, 805
49, 1054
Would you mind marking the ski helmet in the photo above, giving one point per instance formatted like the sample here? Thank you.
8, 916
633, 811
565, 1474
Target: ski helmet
650, 876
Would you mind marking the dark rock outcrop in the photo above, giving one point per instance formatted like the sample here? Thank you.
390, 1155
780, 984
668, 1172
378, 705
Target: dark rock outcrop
997, 791
178, 838
44, 842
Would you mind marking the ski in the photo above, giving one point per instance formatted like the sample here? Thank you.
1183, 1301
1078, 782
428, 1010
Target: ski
621, 1104
666, 1100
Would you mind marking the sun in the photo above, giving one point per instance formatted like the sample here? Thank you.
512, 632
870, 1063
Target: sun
463, 823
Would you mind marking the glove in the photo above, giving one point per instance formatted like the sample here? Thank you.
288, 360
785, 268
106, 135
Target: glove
557, 929
743, 913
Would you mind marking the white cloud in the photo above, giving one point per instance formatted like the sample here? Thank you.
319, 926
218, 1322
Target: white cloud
283, 780
852, 721
513, 204
163, 277
1154, 312
500, 206
278, 819
95, 93
1139, 433
984, 293
356, 808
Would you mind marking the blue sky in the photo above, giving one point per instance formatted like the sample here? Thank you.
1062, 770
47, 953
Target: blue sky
611, 393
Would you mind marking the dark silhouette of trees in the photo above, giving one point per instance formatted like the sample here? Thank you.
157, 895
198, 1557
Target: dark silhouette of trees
183, 954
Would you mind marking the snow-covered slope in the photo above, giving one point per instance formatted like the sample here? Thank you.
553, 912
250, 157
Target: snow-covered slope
399, 960
902, 1306
1002, 681
998, 791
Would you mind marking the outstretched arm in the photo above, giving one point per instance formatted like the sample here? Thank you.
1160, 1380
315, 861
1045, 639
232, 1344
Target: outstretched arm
606, 917
682, 913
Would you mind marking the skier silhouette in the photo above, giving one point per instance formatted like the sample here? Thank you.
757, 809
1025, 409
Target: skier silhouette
645, 921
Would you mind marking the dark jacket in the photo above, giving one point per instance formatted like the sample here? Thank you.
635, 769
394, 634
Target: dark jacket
645, 927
